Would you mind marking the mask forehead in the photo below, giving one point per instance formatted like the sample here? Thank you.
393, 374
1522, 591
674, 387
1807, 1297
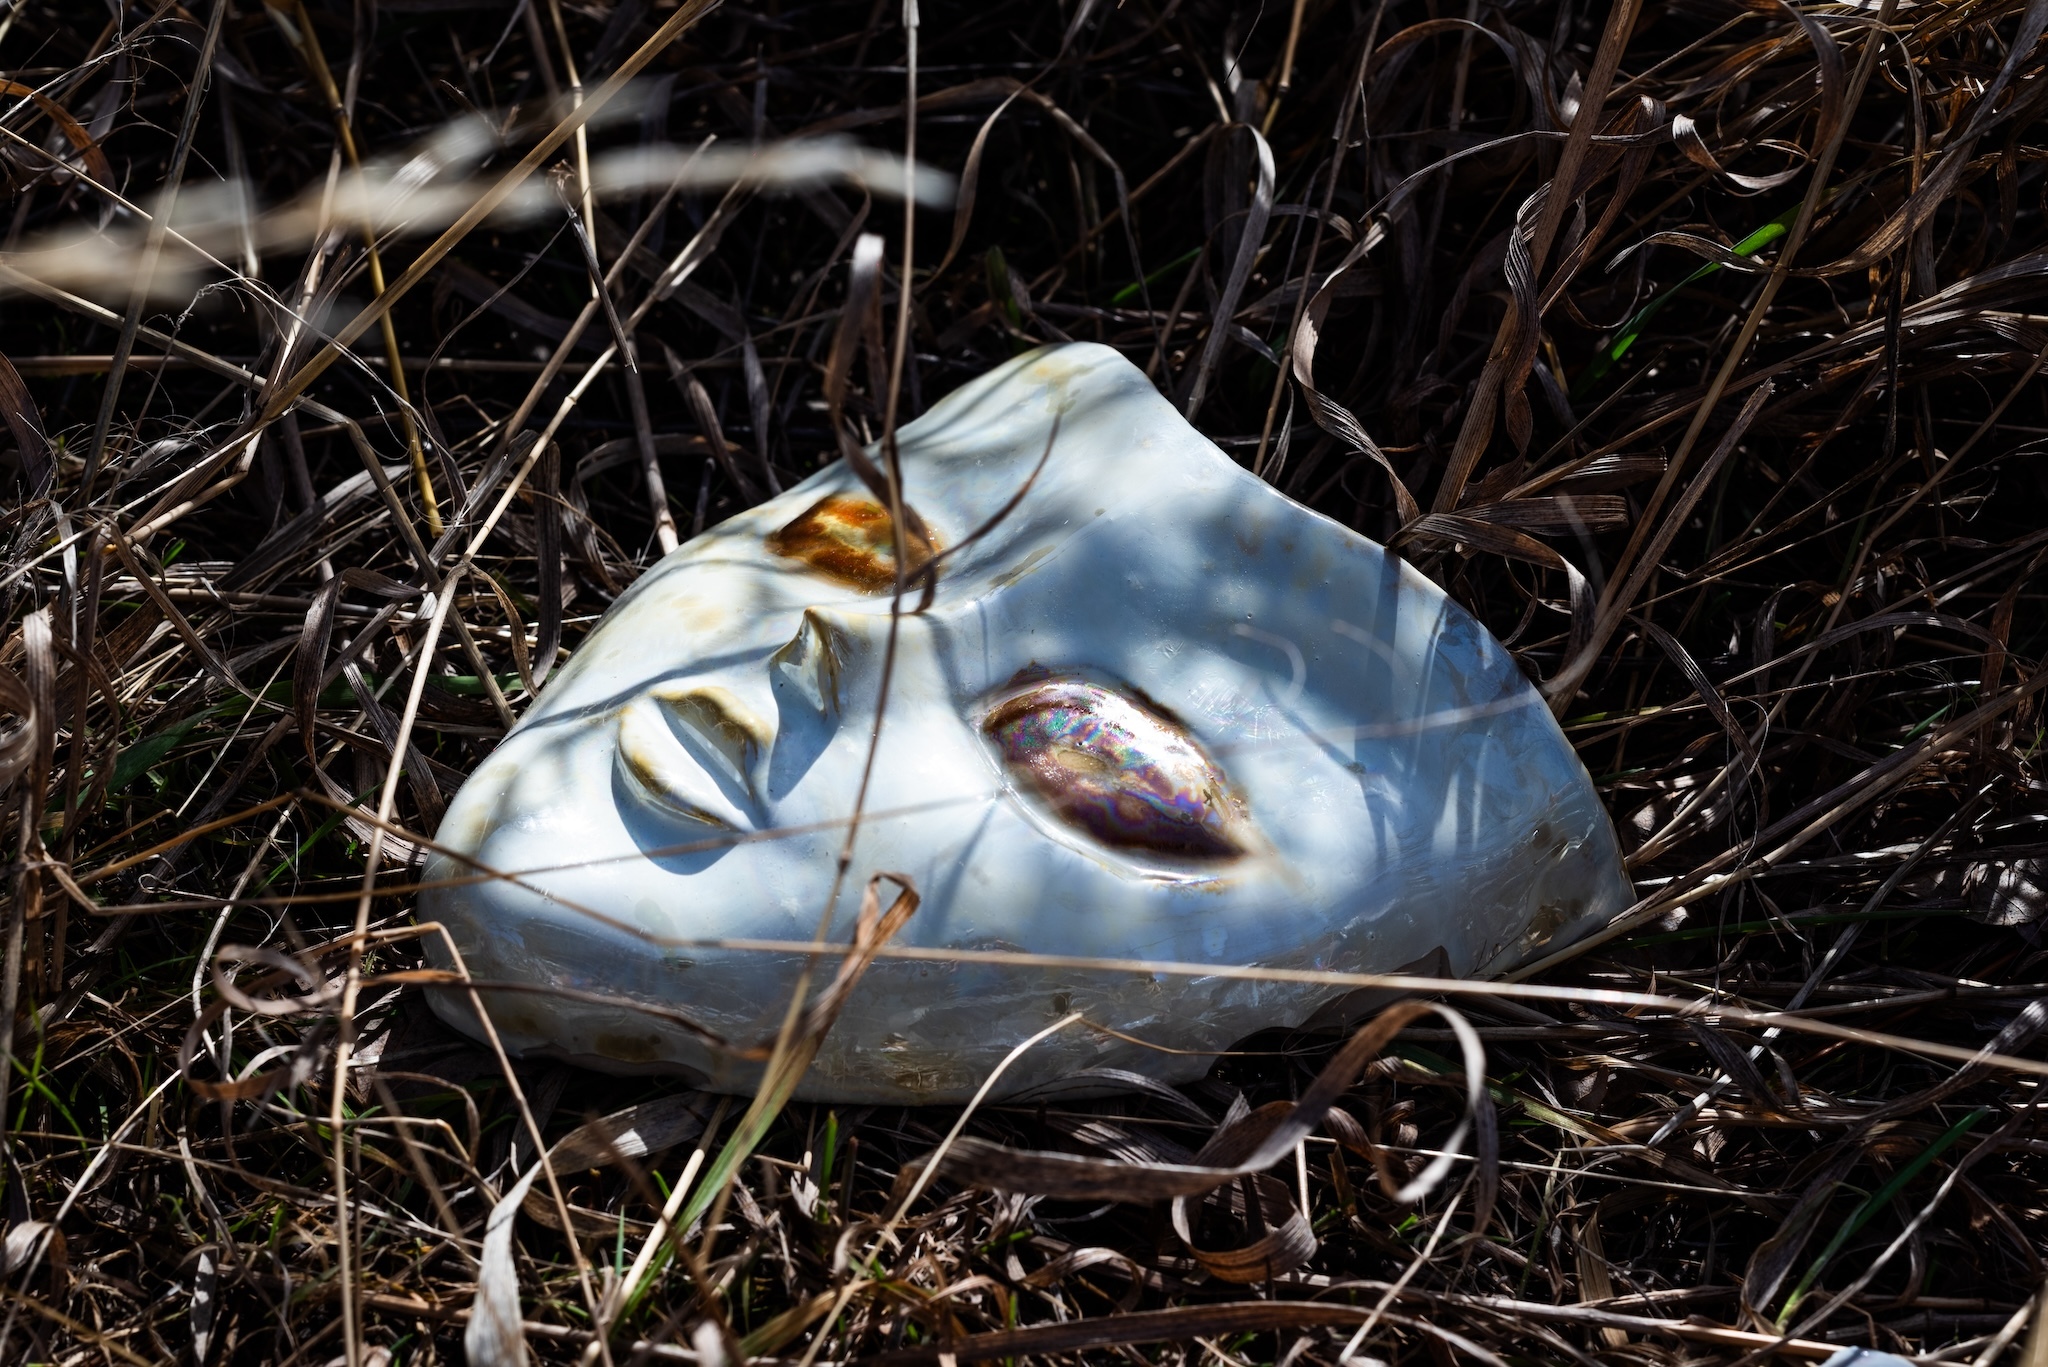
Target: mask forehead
1109, 528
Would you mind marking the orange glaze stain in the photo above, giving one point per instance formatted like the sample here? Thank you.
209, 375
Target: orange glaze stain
851, 540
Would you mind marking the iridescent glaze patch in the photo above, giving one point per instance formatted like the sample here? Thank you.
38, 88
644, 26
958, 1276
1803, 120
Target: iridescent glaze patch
852, 540
1115, 769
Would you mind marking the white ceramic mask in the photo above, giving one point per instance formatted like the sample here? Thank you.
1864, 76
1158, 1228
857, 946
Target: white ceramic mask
1158, 712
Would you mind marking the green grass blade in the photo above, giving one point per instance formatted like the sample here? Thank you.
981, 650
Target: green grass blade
1877, 1201
1633, 328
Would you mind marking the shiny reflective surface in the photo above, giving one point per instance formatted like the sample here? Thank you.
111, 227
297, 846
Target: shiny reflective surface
1158, 712
1114, 768
850, 540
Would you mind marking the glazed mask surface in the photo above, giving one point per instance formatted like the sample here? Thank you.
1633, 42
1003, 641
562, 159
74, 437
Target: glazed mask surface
1158, 711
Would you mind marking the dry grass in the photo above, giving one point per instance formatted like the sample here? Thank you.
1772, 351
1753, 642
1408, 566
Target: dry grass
1701, 344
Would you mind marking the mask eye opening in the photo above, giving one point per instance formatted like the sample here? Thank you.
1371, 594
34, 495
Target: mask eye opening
1107, 765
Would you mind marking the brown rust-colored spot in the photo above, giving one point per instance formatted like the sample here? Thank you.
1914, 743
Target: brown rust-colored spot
851, 540
1550, 918
627, 1048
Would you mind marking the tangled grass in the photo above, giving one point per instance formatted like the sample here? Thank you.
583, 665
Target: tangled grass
1699, 345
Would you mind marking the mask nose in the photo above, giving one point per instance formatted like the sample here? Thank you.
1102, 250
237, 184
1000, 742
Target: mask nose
808, 677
